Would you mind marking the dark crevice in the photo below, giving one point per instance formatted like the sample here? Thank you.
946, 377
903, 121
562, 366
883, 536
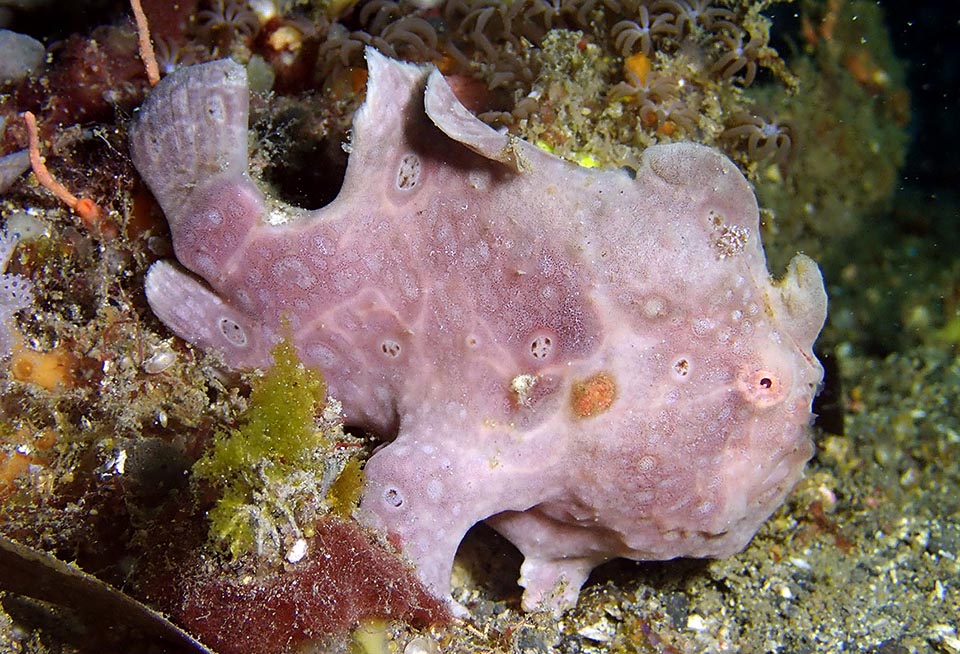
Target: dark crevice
310, 174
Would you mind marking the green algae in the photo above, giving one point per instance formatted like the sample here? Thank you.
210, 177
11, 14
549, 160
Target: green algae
271, 469
277, 428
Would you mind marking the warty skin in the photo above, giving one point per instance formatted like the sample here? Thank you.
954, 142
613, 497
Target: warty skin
597, 364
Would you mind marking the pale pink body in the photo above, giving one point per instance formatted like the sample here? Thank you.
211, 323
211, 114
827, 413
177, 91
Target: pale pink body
461, 289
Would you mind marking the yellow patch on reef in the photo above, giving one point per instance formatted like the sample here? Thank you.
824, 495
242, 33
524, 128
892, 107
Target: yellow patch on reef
336, 8
53, 370
593, 396
370, 637
636, 68
583, 160
19, 450
344, 494
587, 161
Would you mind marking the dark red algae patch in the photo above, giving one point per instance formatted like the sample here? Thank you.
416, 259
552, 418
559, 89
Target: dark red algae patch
346, 576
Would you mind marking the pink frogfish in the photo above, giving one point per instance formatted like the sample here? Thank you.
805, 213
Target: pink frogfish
596, 363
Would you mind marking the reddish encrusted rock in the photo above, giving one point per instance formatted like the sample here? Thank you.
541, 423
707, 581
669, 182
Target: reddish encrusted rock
345, 577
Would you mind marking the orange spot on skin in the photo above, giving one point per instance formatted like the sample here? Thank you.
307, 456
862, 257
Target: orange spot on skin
593, 395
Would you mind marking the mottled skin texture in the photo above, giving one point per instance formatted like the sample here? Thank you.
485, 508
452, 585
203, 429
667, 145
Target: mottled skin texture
598, 365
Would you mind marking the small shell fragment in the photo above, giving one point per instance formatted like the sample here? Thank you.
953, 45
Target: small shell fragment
297, 551
160, 361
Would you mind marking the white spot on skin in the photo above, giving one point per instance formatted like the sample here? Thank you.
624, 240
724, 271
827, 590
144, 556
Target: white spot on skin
654, 307
390, 348
206, 265
233, 332
409, 287
478, 179
521, 386
213, 216
434, 490
320, 354
393, 498
344, 280
292, 269
703, 325
547, 267
483, 251
244, 301
382, 394
408, 175
323, 245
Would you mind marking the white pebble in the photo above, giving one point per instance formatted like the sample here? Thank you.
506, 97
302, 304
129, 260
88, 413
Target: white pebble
297, 551
421, 645
696, 623
159, 362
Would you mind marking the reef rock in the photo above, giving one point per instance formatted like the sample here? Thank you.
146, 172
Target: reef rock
597, 363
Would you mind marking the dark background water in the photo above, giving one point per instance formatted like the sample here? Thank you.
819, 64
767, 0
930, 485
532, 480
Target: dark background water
927, 36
